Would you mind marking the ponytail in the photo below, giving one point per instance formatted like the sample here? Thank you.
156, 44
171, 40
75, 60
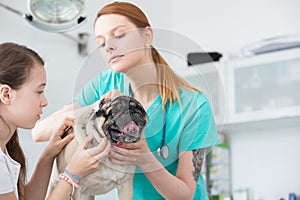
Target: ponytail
169, 82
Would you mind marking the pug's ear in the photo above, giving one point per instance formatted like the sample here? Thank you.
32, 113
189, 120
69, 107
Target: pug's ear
6, 94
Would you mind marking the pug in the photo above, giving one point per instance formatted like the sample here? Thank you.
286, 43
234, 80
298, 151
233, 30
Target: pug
121, 119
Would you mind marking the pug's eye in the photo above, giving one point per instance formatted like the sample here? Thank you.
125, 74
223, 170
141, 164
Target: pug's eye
114, 130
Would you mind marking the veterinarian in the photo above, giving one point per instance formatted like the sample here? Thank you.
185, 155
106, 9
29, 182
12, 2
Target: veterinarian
22, 99
180, 125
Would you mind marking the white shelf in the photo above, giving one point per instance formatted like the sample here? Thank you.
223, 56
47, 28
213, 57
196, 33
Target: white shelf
266, 58
269, 124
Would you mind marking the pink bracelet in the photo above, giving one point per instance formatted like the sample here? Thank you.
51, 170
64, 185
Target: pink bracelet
69, 180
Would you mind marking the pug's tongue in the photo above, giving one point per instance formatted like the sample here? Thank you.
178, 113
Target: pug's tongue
131, 127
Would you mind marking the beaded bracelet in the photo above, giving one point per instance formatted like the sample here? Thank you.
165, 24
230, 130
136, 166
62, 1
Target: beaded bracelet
68, 172
69, 180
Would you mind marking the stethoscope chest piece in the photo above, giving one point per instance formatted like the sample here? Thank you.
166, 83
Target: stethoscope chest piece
163, 152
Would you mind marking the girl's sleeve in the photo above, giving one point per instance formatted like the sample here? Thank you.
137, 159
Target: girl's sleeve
200, 130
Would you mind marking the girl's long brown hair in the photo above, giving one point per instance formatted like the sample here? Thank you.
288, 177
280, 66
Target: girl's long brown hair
16, 63
168, 80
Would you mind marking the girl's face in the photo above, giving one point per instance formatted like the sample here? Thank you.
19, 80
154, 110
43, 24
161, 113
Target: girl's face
28, 101
121, 44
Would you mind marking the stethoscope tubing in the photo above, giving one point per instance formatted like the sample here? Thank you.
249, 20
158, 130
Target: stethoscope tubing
163, 150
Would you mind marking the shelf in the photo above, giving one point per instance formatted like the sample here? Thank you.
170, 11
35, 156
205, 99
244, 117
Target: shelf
275, 124
267, 58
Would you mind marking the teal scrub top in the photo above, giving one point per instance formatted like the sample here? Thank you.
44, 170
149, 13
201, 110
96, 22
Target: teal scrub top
189, 126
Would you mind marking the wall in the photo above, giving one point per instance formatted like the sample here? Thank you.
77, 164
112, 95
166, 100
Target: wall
227, 26
266, 162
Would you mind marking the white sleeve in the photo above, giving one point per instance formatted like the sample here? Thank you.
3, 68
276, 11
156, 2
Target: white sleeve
6, 184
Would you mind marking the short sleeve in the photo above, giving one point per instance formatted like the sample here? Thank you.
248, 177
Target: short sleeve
106, 81
200, 130
6, 184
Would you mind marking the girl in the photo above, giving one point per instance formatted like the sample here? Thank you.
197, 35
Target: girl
22, 98
180, 122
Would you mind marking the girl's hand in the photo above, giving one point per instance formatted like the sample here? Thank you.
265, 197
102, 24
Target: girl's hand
131, 153
84, 160
58, 139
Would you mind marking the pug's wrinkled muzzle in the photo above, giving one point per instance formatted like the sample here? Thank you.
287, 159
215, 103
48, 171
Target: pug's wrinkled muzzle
122, 119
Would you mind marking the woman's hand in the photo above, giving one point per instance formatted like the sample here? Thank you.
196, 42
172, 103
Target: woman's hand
58, 141
131, 153
84, 160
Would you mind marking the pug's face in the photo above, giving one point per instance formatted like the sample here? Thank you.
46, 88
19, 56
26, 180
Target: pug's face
124, 119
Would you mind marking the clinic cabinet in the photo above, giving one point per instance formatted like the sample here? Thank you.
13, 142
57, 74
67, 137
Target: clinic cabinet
264, 87
260, 88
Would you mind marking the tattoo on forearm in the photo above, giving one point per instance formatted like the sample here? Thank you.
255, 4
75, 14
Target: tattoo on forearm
198, 156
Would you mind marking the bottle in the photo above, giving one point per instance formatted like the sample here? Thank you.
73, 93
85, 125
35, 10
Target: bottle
292, 196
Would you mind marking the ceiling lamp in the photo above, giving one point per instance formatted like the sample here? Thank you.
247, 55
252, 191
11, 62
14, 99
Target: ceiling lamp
56, 15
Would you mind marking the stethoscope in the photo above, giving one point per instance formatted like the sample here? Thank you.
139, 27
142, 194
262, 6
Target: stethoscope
163, 151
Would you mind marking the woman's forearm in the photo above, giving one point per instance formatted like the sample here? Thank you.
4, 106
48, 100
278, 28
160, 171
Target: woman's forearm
44, 129
168, 185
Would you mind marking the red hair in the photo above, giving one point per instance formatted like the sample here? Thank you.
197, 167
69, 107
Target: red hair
134, 14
